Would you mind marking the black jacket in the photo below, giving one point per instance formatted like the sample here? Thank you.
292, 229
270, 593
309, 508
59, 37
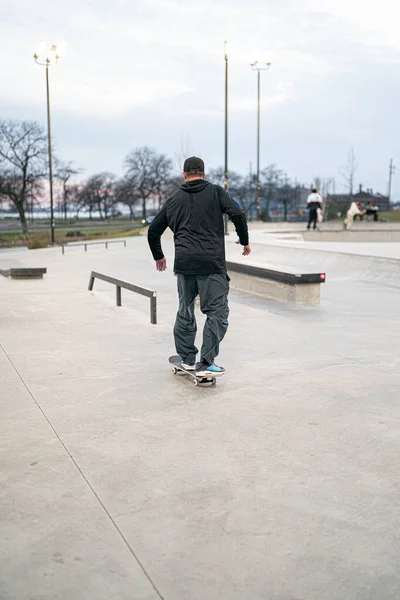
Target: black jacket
195, 214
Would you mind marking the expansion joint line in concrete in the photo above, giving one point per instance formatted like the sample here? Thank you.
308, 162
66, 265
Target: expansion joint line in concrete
117, 528
351, 359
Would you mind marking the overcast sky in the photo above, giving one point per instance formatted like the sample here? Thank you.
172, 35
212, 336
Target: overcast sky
151, 72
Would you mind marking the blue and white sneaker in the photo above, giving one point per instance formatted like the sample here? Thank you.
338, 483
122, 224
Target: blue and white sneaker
191, 366
206, 370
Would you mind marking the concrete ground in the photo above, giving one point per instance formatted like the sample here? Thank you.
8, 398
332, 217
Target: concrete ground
121, 481
359, 240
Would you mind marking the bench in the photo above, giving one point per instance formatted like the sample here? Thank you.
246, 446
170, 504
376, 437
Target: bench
24, 272
286, 285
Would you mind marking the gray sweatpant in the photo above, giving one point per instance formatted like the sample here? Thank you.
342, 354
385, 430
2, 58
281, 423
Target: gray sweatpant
213, 290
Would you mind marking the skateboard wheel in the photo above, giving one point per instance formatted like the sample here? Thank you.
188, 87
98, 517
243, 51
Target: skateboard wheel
214, 380
174, 370
195, 382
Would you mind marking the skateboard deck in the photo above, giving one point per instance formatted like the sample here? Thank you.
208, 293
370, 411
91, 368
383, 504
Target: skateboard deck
175, 361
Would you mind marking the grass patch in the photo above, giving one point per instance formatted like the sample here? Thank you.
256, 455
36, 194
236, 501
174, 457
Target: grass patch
393, 216
41, 239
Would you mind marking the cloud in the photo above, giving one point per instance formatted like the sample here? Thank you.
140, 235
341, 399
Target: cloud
155, 69
370, 22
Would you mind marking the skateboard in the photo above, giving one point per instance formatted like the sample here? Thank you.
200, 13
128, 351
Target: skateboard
175, 361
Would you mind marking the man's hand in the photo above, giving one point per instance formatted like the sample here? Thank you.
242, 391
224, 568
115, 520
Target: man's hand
246, 249
161, 264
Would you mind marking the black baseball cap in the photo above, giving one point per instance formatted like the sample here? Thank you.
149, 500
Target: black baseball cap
193, 165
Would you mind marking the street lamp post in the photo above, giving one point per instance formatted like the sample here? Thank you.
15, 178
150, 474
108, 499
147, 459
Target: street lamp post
258, 66
392, 169
45, 60
226, 180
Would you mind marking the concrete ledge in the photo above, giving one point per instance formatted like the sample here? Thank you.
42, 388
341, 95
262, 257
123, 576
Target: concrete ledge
280, 273
352, 235
24, 273
278, 283
276, 290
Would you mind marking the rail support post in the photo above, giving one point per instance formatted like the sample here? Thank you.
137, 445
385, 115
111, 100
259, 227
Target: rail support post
153, 309
118, 295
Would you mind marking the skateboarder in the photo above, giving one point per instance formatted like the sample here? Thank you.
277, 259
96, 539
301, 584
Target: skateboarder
314, 202
194, 213
355, 209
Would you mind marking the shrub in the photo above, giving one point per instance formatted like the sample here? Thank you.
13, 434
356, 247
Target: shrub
35, 244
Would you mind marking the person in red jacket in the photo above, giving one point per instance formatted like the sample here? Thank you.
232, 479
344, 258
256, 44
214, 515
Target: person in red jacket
195, 215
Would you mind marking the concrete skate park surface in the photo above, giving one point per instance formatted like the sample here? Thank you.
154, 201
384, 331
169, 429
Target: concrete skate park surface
120, 480
333, 232
295, 235
383, 233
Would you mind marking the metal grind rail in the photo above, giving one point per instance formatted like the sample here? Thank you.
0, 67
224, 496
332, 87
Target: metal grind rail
86, 244
152, 295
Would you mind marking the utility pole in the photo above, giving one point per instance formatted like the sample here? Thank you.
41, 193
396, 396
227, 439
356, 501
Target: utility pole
52, 222
250, 215
392, 169
258, 144
226, 180
51, 57
258, 66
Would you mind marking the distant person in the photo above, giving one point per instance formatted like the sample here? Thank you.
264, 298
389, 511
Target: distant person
355, 209
195, 212
373, 211
362, 208
314, 202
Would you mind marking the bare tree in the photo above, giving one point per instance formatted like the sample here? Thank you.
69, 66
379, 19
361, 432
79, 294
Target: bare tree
349, 170
285, 194
78, 199
84, 199
270, 182
240, 189
64, 173
126, 194
172, 184
183, 153
98, 193
23, 154
148, 171
163, 168
216, 176
3, 203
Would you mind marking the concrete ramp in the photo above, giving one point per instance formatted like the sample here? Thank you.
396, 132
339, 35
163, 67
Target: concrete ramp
352, 235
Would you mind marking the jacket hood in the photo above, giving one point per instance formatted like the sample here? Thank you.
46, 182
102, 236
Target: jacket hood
192, 187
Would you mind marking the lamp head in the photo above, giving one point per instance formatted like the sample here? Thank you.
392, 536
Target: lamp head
39, 50
51, 56
260, 65
60, 49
